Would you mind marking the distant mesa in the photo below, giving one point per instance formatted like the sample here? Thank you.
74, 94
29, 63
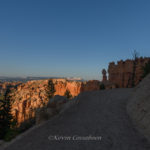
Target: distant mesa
74, 79
25, 79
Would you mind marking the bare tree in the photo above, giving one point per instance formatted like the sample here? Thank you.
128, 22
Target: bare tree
135, 56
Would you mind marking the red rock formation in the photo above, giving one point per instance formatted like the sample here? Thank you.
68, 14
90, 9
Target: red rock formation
5, 85
61, 85
104, 75
92, 85
121, 73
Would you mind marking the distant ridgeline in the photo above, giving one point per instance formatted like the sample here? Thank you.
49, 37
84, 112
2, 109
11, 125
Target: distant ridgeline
128, 73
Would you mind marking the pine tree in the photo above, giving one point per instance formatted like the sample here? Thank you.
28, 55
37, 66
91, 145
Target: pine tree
68, 94
50, 89
5, 114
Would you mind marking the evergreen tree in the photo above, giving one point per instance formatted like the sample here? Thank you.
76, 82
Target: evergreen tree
5, 114
68, 94
50, 89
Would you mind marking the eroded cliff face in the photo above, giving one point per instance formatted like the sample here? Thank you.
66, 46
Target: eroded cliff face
122, 73
27, 97
92, 85
61, 85
5, 85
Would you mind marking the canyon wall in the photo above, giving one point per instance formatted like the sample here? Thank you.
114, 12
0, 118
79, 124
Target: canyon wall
5, 85
27, 97
93, 85
121, 74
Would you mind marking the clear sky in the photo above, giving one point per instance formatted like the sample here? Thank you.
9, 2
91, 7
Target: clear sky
70, 38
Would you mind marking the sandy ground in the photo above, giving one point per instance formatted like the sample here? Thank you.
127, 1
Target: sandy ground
99, 114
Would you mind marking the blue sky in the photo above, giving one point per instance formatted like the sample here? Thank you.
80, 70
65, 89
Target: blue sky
70, 38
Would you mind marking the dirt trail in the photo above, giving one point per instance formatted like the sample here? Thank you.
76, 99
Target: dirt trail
100, 113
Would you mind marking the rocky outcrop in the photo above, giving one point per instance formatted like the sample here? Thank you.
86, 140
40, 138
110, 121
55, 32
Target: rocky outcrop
92, 85
104, 72
54, 106
139, 107
5, 85
121, 74
27, 98
61, 85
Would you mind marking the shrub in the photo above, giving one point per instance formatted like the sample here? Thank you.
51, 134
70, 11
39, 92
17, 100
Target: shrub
10, 134
146, 69
26, 125
102, 86
1, 97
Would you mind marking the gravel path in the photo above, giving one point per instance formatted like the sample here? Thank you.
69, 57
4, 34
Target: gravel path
100, 113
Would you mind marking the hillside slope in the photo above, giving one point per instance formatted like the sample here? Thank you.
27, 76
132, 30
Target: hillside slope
139, 107
100, 113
